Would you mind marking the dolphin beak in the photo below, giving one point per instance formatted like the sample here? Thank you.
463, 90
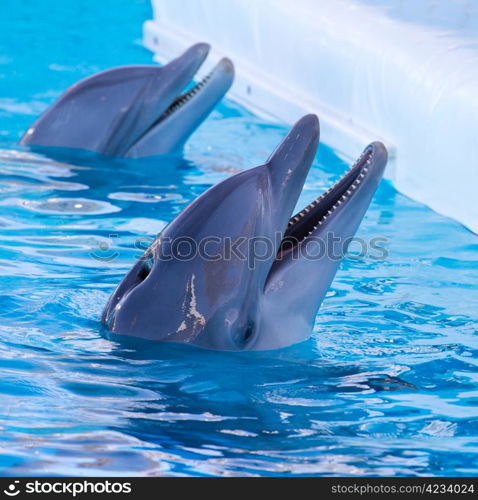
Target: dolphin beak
302, 272
186, 112
160, 92
289, 165
345, 203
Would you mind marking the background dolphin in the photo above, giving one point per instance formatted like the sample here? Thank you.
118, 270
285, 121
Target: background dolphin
222, 299
134, 111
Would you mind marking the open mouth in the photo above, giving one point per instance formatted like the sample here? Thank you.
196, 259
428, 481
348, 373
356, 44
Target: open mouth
304, 223
193, 104
181, 100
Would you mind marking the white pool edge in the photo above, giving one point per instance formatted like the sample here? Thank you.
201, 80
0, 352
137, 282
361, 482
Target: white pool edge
375, 84
251, 87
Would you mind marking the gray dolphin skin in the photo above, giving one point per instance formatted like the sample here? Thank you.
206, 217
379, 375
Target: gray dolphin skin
218, 299
134, 111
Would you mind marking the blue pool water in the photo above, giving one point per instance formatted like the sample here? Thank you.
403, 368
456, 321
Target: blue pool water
387, 385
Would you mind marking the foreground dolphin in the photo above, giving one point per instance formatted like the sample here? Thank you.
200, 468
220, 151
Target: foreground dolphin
134, 111
217, 298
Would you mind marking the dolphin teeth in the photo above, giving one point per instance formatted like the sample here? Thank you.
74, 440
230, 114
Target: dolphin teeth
180, 100
363, 166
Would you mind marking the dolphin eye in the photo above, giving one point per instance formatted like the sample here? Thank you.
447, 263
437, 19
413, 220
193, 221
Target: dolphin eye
243, 335
249, 331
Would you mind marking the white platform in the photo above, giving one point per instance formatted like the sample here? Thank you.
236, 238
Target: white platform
402, 74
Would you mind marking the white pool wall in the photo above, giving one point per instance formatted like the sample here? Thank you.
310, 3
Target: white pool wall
370, 74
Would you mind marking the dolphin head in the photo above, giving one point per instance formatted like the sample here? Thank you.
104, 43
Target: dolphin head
134, 111
224, 273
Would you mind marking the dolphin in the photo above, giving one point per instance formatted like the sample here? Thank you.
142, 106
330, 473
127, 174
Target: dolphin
134, 111
222, 299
